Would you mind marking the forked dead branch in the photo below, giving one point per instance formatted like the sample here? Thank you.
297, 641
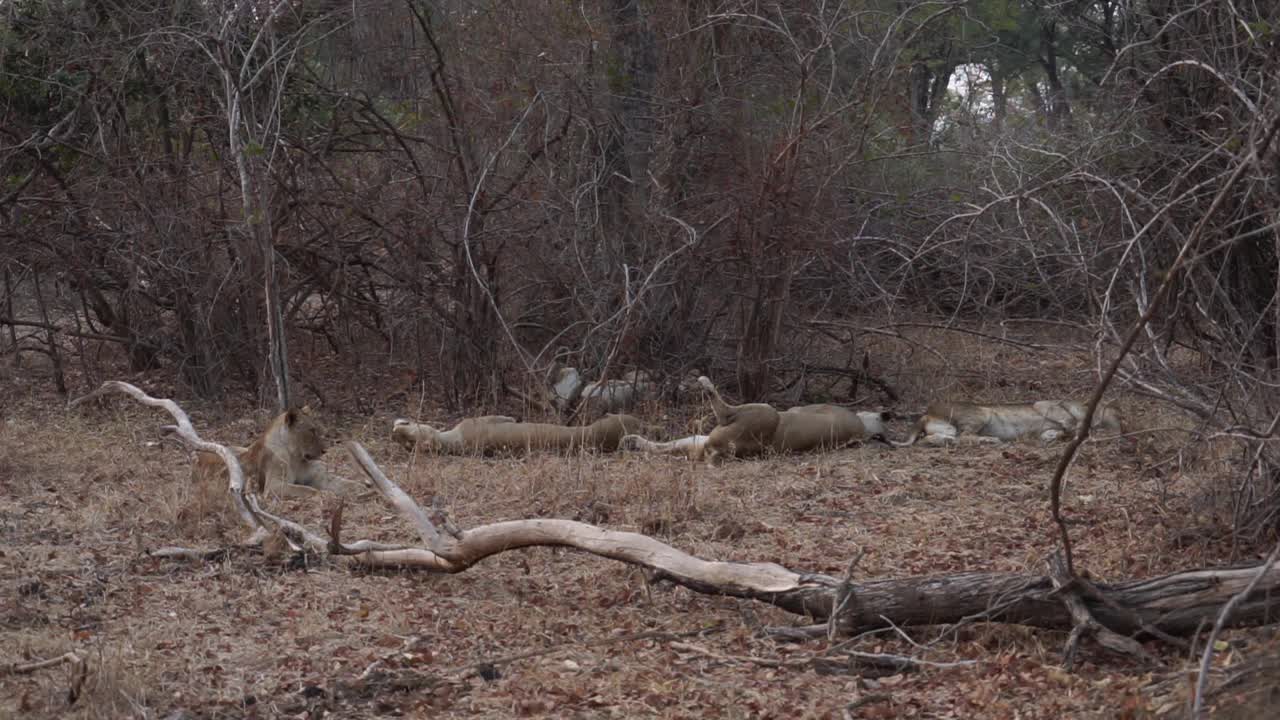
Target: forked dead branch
1118, 614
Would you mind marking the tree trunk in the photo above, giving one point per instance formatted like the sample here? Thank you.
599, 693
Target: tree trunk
630, 147
8, 308
762, 328
1058, 108
928, 90
999, 98
197, 368
277, 338
257, 235
51, 338
919, 83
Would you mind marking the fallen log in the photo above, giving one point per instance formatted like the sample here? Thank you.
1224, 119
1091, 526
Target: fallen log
1175, 605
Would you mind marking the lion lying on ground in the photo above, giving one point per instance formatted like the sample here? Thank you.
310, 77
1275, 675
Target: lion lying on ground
757, 428
284, 460
942, 422
598, 398
499, 433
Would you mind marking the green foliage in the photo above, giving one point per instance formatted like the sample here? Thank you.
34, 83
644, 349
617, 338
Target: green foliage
1002, 16
1263, 32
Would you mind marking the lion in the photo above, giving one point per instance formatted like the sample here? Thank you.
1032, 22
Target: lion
498, 433
599, 398
758, 428
942, 422
284, 460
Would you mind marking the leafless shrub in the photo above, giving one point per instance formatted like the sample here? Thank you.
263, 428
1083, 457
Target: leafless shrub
465, 196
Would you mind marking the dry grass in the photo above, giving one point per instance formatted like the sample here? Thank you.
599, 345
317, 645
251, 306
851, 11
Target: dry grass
83, 493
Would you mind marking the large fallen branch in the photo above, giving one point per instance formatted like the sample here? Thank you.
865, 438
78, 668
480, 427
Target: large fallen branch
1169, 606
1176, 604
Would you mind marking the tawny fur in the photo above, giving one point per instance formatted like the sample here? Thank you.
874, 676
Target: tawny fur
497, 434
1047, 420
284, 460
756, 428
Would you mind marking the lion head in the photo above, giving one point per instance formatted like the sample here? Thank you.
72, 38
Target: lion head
303, 437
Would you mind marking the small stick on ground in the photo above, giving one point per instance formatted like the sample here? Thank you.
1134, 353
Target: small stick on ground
192, 554
879, 661
659, 635
865, 700
28, 668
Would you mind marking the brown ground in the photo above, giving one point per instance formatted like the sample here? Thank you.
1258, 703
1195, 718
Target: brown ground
83, 494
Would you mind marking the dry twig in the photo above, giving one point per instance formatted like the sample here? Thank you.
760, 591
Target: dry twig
1206, 659
28, 668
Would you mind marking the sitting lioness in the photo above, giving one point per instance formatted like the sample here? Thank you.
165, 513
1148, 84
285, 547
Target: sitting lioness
284, 460
756, 428
498, 433
1046, 419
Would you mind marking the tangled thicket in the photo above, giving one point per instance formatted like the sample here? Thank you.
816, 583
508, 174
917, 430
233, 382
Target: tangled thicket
462, 185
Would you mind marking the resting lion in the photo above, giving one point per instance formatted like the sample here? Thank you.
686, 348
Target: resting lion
757, 428
1046, 419
284, 460
498, 433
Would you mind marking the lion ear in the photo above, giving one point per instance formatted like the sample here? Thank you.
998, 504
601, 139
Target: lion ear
291, 417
